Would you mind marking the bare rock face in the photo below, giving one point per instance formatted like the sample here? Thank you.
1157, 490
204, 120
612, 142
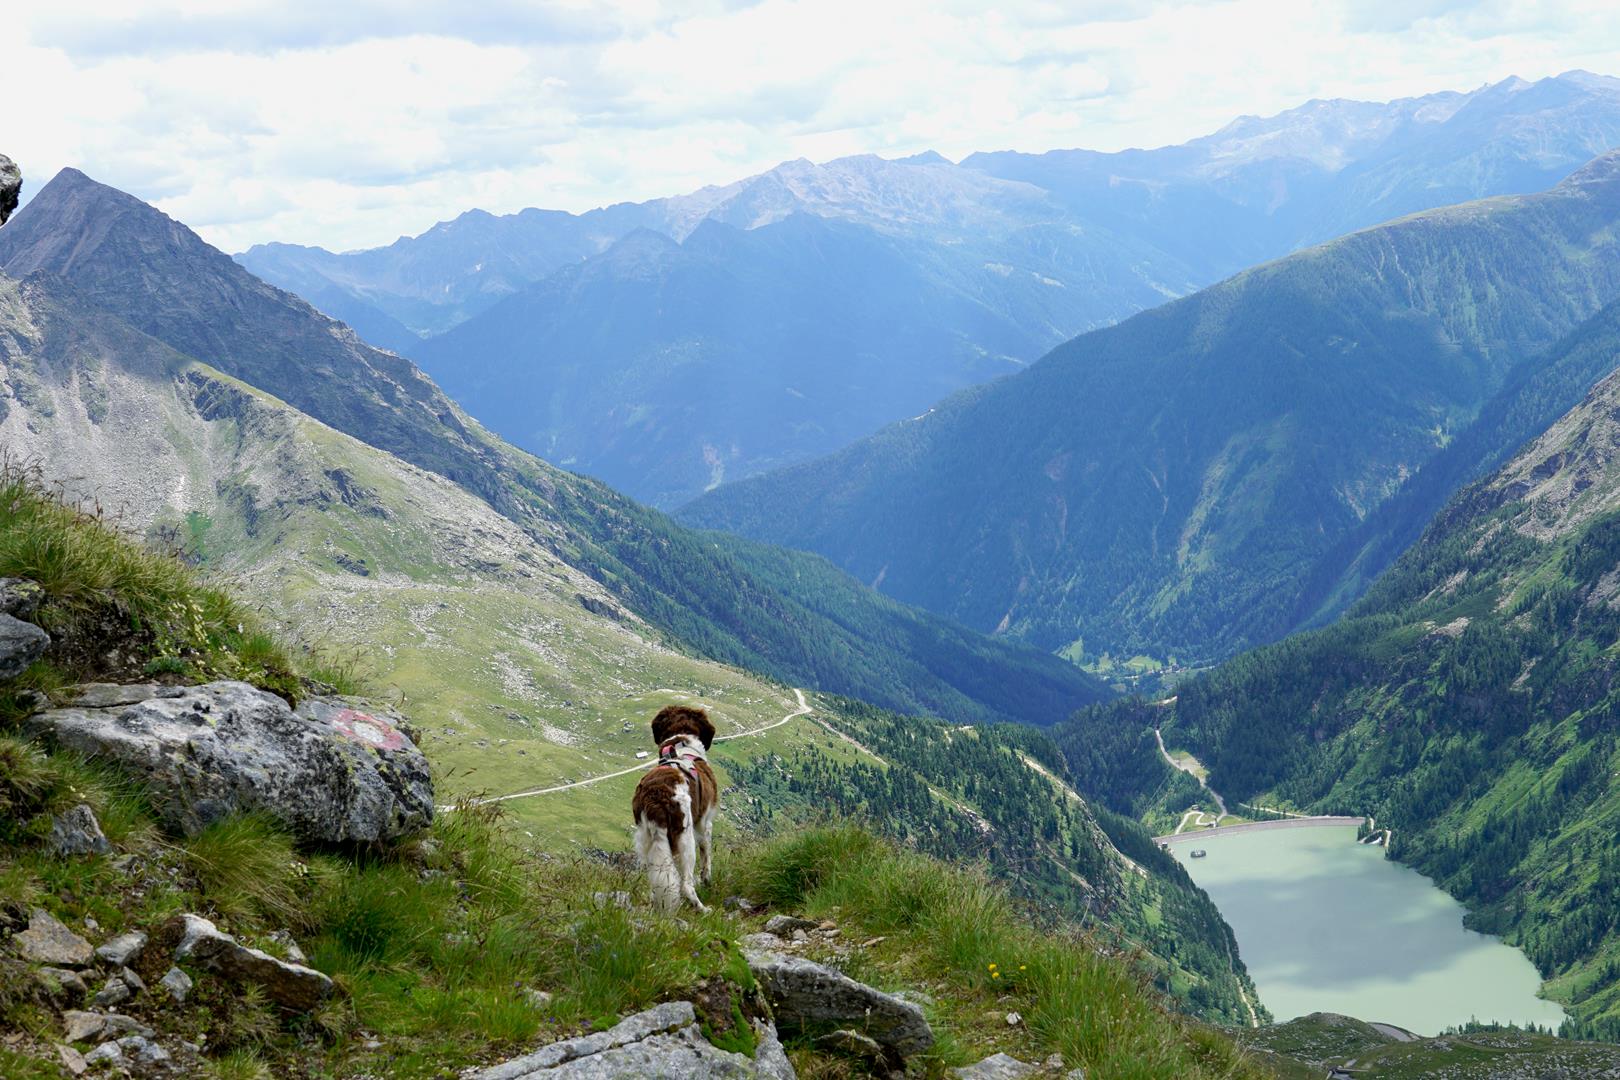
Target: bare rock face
10, 187
329, 772
291, 985
663, 1043
808, 996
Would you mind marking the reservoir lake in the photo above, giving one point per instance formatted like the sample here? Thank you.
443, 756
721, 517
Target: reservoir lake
1329, 925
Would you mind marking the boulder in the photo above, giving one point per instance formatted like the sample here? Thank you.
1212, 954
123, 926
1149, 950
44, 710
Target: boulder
785, 925
663, 1043
293, 986
21, 643
997, 1067
77, 832
20, 597
47, 941
177, 983
10, 187
64, 983
83, 1026
808, 996
122, 950
115, 991
328, 772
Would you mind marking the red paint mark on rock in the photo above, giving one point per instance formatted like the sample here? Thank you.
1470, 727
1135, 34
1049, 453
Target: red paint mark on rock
368, 730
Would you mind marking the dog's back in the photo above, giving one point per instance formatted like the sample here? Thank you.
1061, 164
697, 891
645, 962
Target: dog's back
674, 807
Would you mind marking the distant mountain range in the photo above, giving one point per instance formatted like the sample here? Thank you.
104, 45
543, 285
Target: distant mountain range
98, 253
670, 346
1162, 488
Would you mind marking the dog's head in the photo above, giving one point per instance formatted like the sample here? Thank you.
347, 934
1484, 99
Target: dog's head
673, 720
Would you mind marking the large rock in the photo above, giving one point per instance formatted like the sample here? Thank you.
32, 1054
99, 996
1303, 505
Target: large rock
10, 187
21, 643
329, 772
202, 943
20, 597
77, 832
663, 1043
48, 941
807, 996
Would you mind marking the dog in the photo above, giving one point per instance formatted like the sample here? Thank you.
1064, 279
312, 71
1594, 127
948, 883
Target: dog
674, 808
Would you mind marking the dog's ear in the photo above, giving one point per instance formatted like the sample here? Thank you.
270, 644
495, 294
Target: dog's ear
663, 722
705, 728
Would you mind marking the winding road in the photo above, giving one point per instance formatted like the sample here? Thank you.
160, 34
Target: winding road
1191, 768
803, 709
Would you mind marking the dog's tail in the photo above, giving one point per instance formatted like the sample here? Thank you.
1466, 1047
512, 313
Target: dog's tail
656, 848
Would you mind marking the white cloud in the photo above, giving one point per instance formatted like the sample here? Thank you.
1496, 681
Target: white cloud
350, 124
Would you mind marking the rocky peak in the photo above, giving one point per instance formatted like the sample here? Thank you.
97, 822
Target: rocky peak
10, 187
1601, 172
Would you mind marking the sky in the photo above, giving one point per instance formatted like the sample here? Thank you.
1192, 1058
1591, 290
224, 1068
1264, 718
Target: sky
348, 123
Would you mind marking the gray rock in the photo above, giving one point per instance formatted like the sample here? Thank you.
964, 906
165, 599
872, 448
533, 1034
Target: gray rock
540, 999
785, 925
292, 985
663, 1043
132, 980
10, 187
329, 772
618, 899
996, 1067
114, 992
742, 904
71, 1059
806, 995
122, 950
102, 695
110, 1052
177, 983
760, 942
142, 1051
20, 597
77, 832
290, 951
21, 643
851, 1042
83, 1026
118, 1025
67, 982
47, 941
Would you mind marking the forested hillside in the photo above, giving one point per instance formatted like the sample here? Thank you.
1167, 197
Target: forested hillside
1469, 702
1164, 487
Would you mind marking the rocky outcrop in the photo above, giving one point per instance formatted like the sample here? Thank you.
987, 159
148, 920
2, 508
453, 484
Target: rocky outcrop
329, 772
10, 187
808, 996
663, 1043
48, 941
291, 985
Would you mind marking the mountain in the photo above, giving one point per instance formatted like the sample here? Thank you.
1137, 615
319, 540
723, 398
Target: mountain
785, 615
666, 368
1160, 489
1263, 186
1469, 701
738, 350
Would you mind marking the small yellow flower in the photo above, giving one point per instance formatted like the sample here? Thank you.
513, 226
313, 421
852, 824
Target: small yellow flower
995, 974
990, 967
1023, 967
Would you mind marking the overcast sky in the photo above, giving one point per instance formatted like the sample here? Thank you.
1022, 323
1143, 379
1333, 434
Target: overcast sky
347, 123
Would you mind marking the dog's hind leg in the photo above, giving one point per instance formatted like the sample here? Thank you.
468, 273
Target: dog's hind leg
705, 832
653, 852
686, 857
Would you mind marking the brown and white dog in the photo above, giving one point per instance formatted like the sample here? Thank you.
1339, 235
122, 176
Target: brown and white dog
674, 807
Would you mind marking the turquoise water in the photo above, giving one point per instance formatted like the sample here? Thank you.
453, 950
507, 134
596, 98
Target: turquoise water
1329, 925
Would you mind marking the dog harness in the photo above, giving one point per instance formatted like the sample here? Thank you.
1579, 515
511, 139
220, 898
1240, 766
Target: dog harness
677, 754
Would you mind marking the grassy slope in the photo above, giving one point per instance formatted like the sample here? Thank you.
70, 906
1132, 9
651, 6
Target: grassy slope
432, 941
